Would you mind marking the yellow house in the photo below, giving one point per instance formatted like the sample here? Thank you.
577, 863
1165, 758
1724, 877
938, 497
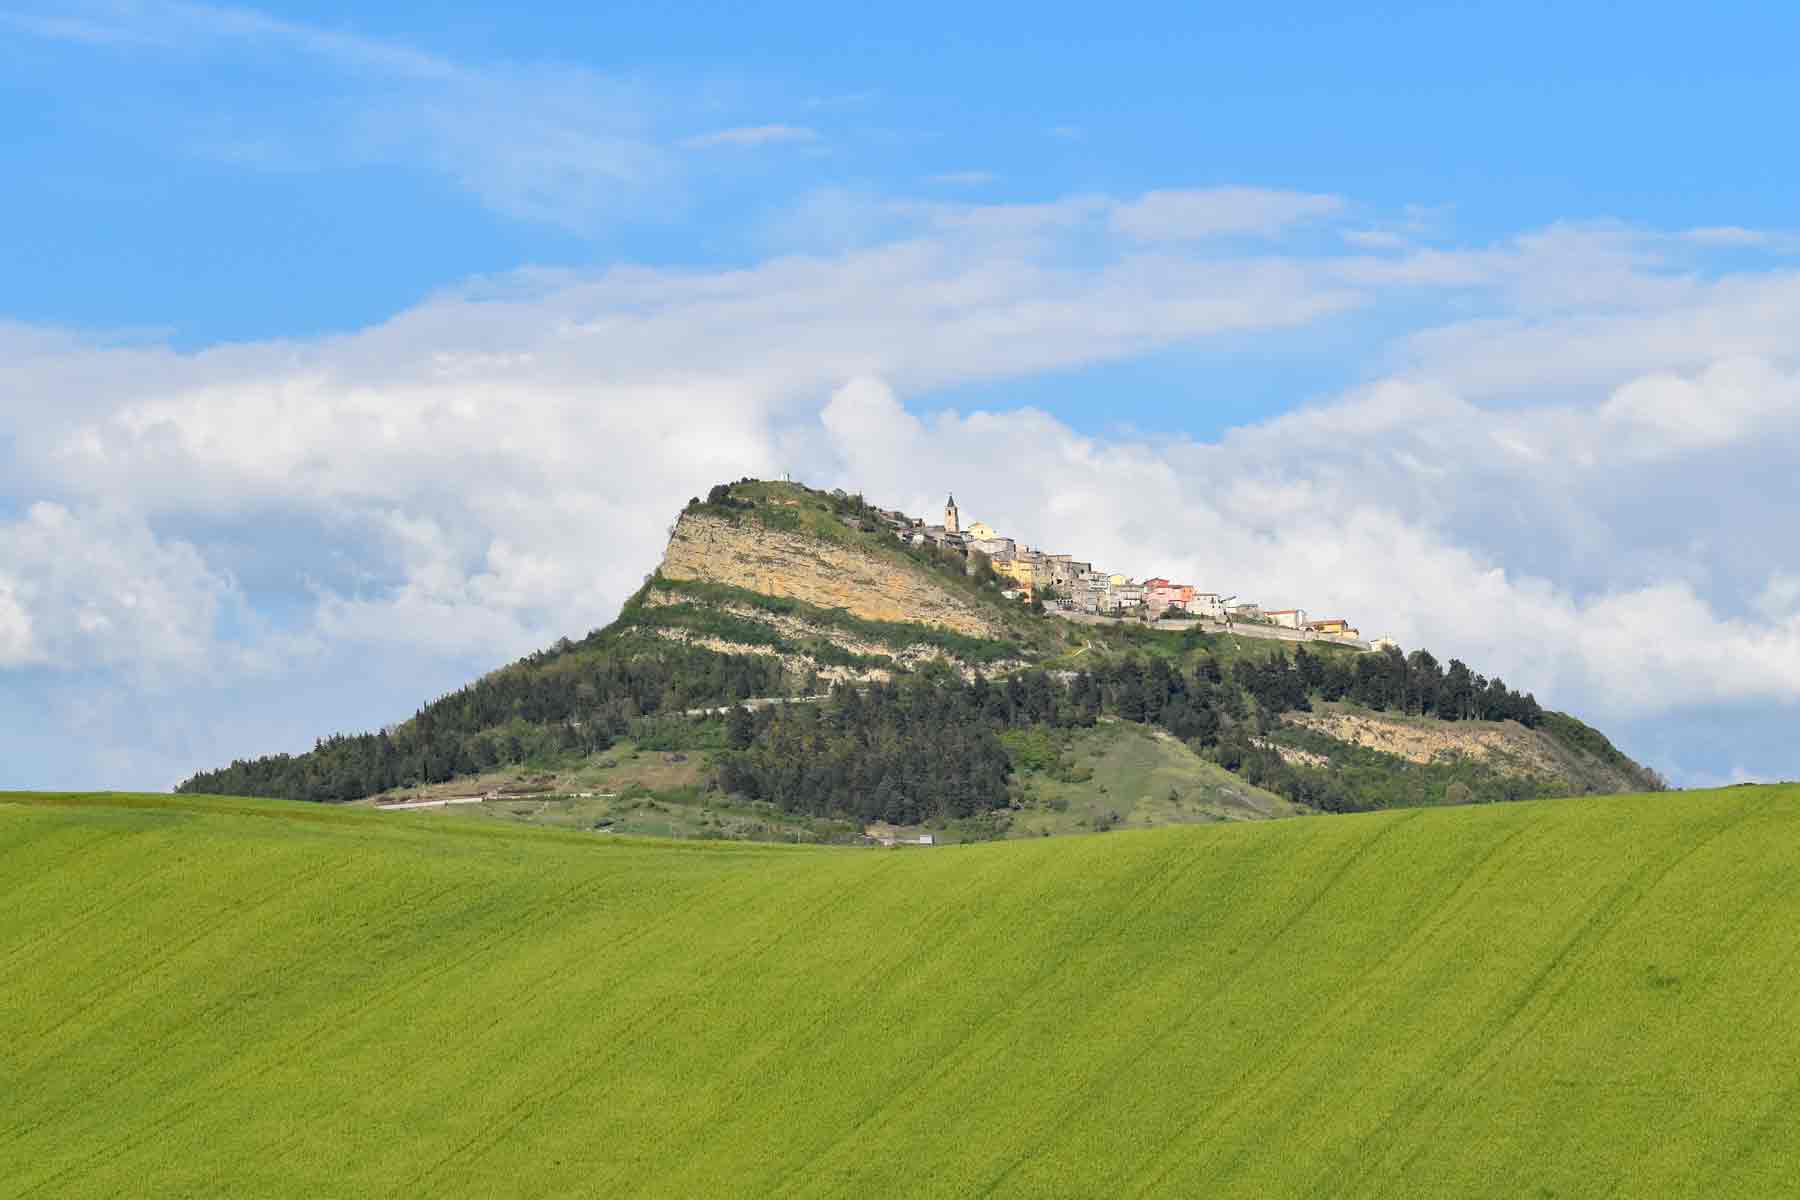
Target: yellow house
980, 531
1019, 570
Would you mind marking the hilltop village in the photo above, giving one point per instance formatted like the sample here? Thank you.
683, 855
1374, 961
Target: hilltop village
1074, 589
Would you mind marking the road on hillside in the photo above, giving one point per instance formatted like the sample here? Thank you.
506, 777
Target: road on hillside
758, 702
429, 803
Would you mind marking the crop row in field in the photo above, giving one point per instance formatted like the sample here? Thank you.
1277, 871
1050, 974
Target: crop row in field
216, 997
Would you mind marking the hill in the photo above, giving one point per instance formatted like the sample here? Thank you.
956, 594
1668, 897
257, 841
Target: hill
254, 998
1114, 775
935, 667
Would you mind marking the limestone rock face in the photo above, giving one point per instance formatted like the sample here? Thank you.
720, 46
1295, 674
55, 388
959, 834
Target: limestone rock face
1505, 745
751, 556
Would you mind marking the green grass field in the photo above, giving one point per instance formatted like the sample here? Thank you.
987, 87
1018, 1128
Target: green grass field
1124, 775
251, 998
1136, 777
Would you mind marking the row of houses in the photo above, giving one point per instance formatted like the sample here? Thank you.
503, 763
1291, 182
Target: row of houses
1063, 581
1293, 618
1030, 572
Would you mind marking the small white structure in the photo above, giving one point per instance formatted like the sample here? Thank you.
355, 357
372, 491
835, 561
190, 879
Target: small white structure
1208, 604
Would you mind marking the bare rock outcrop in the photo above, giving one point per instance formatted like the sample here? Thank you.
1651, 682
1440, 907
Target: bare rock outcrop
749, 555
1506, 746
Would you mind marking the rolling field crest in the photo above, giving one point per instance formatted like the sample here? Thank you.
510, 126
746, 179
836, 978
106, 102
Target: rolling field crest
244, 998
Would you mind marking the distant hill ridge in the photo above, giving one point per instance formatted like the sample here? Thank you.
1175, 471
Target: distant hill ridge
937, 666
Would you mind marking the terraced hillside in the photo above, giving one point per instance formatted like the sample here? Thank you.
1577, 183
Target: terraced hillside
256, 998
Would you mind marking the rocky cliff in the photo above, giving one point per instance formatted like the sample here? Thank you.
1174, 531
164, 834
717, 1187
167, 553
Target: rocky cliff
749, 554
1504, 746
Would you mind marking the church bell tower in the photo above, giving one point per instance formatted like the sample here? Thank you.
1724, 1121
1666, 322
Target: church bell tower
951, 524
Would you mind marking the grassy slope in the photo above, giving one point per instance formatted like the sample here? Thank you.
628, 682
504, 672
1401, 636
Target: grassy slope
639, 793
257, 998
1133, 769
1126, 769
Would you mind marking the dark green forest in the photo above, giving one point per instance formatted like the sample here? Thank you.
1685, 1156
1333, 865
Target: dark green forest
924, 747
928, 748
566, 700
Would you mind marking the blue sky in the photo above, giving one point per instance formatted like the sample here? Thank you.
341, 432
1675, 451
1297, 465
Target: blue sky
245, 242
171, 174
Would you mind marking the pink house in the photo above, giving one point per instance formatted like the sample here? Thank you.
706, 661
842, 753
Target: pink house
1160, 593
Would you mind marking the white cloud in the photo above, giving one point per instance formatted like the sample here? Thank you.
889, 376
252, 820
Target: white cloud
1779, 601
751, 136
1679, 323
18, 646
1218, 212
1729, 401
100, 590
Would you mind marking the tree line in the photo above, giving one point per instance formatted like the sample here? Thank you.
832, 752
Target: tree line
923, 747
917, 750
562, 701
1387, 681
927, 747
